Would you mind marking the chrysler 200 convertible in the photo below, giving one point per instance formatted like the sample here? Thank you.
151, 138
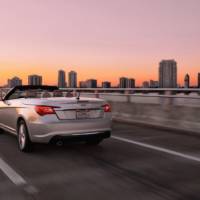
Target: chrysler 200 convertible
42, 114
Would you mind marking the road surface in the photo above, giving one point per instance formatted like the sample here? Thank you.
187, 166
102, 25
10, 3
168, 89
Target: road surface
138, 163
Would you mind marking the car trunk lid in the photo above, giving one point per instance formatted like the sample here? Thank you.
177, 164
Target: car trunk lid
72, 109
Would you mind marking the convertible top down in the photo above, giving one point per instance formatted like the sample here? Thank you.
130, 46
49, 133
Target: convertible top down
46, 114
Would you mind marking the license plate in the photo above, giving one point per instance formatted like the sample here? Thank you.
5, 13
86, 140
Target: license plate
82, 114
96, 114
68, 115
89, 114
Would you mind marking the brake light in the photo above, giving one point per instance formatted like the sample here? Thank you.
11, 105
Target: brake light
107, 108
44, 110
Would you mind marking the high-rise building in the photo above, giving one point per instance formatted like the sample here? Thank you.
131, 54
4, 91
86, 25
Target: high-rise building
168, 74
145, 84
187, 81
106, 84
131, 83
72, 79
15, 81
61, 79
91, 83
198, 80
34, 80
154, 84
123, 82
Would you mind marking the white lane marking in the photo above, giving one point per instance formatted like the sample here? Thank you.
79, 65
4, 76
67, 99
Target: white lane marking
168, 151
11, 174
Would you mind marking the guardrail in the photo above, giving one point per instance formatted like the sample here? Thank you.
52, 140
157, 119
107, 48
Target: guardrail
172, 108
127, 89
136, 90
162, 92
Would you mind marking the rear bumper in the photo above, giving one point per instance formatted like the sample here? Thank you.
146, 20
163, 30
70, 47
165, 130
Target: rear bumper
80, 138
41, 132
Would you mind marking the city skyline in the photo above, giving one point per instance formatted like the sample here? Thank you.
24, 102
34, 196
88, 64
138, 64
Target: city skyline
74, 81
167, 78
123, 38
52, 80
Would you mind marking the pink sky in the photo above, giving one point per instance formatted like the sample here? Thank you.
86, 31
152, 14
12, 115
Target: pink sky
101, 39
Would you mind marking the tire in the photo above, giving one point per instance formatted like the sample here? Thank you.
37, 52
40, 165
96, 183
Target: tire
94, 142
24, 142
1, 131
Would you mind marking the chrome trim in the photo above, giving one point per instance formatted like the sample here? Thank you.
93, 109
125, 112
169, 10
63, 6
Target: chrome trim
9, 129
71, 134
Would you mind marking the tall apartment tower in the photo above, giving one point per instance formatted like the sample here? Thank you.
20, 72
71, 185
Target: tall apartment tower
34, 80
123, 82
153, 84
61, 79
15, 81
168, 74
106, 84
72, 79
91, 83
187, 81
198, 85
131, 83
145, 84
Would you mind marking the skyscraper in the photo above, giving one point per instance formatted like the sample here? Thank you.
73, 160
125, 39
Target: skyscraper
34, 80
198, 80
145, 84
72, 79
187, 81
15, 81
106, 84
91, 83
123, 82
153, 84
131, 83
61, 79
168, 74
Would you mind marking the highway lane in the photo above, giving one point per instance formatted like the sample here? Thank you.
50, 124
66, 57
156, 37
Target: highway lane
114, 170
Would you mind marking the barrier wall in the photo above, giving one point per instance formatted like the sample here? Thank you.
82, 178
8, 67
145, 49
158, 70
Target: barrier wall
181, 112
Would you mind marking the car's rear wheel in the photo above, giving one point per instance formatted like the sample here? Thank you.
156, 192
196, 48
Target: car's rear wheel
1, 131
24, 143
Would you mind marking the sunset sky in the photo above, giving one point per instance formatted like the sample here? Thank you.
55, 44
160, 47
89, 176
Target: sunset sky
102, 39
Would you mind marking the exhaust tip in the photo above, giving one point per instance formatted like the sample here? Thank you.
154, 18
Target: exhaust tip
59, 143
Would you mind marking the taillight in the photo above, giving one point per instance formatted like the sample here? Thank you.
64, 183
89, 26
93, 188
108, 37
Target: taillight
107, 108
44, 110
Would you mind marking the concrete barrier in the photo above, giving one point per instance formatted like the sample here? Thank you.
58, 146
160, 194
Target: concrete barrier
166, 116
180, 112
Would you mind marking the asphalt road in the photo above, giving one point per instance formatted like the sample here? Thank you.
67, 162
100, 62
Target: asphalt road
136, 163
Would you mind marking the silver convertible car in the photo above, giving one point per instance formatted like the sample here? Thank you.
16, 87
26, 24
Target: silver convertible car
40, 114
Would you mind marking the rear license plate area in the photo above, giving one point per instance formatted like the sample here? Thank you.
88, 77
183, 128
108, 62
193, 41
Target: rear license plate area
80, 114
68, 114
89, 114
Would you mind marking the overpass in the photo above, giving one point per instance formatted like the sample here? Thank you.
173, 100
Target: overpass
153, 154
